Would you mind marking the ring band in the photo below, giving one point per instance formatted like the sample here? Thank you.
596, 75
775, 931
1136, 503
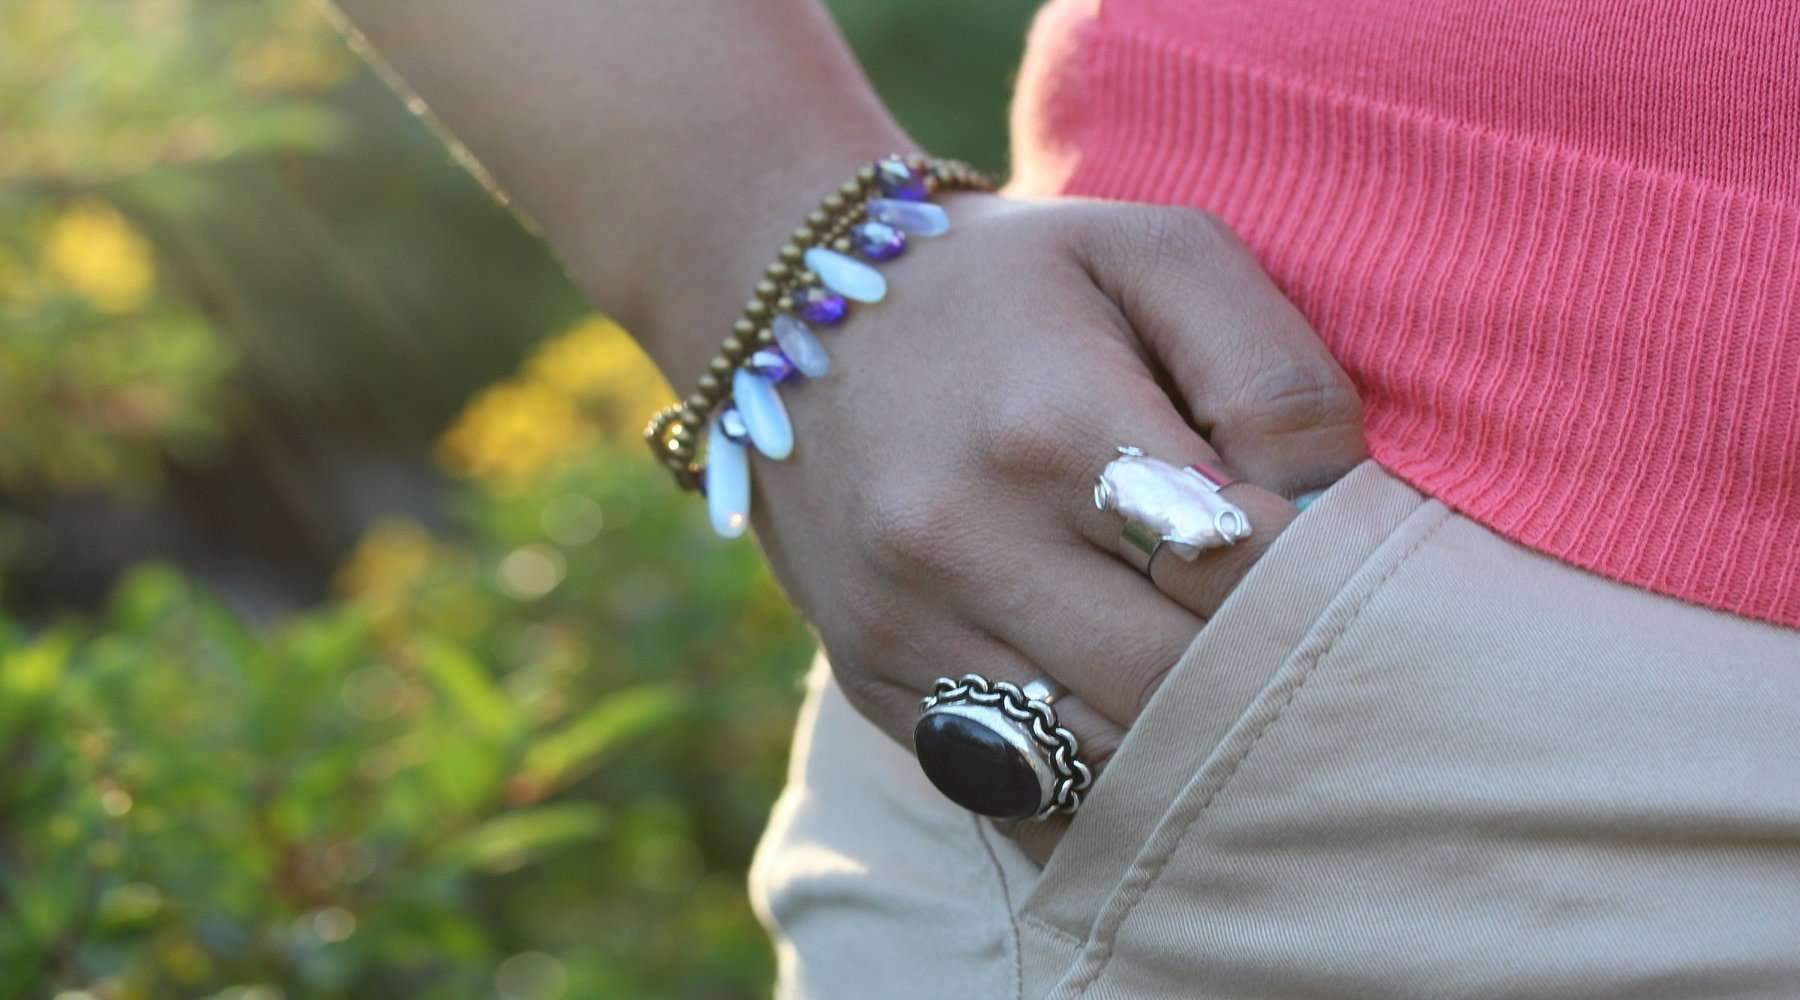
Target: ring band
1215, 477
1139, 544
996, 748
1180, 507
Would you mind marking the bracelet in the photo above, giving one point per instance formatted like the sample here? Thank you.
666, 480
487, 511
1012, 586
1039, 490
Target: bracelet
810, 284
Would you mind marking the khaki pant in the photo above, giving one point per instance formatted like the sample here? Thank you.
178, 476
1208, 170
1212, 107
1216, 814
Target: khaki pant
1406, 759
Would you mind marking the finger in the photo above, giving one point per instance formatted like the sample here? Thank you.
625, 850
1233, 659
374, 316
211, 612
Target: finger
1199, 585
1096, 738
1255, 378
1096, 626
1205, 581
887, 692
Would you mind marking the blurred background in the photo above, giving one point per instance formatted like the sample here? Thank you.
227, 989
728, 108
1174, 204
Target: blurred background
350, 645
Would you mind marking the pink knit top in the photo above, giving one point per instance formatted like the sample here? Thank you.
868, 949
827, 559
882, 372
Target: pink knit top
1555, 242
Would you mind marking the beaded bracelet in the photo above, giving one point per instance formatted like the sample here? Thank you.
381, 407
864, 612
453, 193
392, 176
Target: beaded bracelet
811, 284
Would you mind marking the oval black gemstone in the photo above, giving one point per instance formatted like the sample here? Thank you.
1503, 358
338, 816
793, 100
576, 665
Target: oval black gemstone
975, 767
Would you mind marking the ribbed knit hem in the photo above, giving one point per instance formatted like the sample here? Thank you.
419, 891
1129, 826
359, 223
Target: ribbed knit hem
1598, 361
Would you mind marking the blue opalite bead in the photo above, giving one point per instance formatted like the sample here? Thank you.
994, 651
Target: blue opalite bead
898, 180
771, 363
731, 422
764, 415
727, 481
920, 218
846, 276
877, 240
800, 346
820, 306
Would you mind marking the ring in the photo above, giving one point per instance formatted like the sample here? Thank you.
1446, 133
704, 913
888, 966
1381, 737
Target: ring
1139, 545
1182, 507
995, 748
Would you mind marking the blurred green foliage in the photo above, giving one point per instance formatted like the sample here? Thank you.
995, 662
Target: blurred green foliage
481, 752
527, 756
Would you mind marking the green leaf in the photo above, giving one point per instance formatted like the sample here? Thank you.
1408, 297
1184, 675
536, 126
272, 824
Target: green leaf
468, 687
578, 747
33, 671
514, 839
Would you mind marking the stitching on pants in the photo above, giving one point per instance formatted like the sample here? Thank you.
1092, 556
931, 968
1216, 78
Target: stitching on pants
981, 834
1051, 929
1146, 877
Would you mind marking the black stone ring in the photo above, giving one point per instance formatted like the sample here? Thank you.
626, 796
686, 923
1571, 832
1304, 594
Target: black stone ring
996, 749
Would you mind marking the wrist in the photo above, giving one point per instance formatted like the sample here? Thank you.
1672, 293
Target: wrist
812, 279
716, 234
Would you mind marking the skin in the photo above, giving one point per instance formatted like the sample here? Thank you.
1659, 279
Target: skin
936, 517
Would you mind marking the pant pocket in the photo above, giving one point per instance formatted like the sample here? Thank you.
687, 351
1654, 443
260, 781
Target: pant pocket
1235, 656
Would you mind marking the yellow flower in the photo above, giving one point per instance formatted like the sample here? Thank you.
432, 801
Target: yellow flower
512, 432
391, 558
596, 362
93, 250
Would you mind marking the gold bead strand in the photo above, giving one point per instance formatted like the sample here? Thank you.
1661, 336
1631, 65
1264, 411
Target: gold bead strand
674, 432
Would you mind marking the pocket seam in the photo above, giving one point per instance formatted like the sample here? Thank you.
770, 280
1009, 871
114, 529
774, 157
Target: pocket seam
982, 834
1051, 929
1144, 877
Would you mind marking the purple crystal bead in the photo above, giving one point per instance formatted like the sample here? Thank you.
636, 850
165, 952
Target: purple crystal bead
731, 424
877, 240
898, 180
820, 306
771, 364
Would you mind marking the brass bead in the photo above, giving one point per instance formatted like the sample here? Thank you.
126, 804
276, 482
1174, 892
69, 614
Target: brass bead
784, 304
777, 271
690, 419
817, 218
743, 328
699, 403
807, 278
709, 384
865, 176
832, 202
850, 189
755, 308
791, 253
804, 234
841, 245
719, 366
765, 336
733, 347
765, 290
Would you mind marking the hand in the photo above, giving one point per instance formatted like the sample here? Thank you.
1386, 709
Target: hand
937, 517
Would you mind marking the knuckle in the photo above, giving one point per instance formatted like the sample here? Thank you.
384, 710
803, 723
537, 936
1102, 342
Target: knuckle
870, 622
1098, 751
1028, 434
875, 698
1173, 233
1292, 396
916, 536
1148, 683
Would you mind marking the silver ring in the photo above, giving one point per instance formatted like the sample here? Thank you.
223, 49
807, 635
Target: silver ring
996, 748
1139, 544
1183, 508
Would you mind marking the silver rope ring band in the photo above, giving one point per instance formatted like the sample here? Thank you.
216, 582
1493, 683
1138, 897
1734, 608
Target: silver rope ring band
996, 748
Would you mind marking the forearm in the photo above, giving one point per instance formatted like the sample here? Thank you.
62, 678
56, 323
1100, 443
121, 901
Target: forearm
663, 150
